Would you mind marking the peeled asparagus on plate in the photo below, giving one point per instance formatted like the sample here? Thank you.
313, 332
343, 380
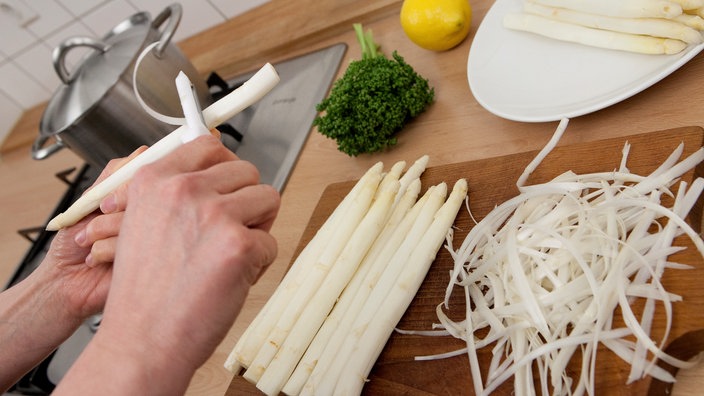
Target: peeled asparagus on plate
640, 26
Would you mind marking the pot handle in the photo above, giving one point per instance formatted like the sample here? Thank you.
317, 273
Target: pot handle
59, 54
173, 14
39, 152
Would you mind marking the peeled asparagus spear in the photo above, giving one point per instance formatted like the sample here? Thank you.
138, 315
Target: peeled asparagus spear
250, 92
374, 336
335, 300
689, 4
322, 302
592, 37
391, 177
656, 27
326, 347
256, 333
412, 174
623, 8
693, 21
316, 275
322, 380
366, 276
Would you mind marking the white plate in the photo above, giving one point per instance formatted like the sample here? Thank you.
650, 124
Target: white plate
525, 77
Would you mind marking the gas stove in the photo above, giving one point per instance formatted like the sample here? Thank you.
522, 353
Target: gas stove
270, 134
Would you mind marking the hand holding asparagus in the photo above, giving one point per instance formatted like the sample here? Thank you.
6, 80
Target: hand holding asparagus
254, 89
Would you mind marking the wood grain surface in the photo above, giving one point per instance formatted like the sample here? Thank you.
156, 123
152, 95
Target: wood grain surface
491, 182
279, 27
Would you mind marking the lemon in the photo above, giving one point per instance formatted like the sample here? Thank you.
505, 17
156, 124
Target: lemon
436, 25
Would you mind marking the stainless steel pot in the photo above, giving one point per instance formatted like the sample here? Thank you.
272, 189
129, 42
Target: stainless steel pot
95, 112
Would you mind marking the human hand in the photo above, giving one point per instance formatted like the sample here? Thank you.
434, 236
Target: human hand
79, 256
194, 238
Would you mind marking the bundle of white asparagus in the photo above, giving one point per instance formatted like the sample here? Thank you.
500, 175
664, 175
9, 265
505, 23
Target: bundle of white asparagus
329, 319
641, 26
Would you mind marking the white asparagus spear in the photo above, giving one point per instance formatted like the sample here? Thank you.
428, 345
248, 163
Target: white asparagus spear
250, 92
374, 263
256, 333
322, 380
622, 8
314, 278
322, 302
689, 4
656, 27
699, 12
392, 176
693, 21
336, 328
377, 332
412, 174
592, 37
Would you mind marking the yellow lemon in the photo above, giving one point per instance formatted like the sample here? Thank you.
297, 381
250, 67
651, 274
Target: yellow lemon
436, 25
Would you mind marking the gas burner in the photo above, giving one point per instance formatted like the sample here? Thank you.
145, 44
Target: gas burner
219, 87
271, 133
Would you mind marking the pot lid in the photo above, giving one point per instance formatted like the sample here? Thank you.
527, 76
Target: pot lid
111, 58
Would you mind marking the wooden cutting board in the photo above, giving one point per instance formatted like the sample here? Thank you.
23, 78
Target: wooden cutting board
491, 182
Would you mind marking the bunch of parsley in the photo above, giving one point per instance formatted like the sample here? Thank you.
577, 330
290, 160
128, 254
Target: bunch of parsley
372, 101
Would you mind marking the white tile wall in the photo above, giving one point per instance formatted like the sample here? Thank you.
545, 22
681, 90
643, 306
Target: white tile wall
9, 113
233, 8
21, 86
27, 76
33, 61
102, 19
80, 7
14, 37
51, 16
194, 13
73, 56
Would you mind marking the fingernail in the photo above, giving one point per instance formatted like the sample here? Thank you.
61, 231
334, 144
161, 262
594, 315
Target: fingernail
89, 260
108, 205
80, 238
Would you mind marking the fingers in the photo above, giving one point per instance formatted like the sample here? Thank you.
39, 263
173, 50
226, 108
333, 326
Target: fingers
229, 176
216, 153
117, 163
205, 160
101, 235
116, 201
101, 227
255, 206
102, 252
267, 250
201, 153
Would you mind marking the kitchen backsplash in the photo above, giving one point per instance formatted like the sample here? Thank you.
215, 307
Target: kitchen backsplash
31, 29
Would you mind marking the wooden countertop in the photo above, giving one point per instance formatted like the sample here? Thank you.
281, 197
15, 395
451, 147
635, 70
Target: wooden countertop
455, 129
